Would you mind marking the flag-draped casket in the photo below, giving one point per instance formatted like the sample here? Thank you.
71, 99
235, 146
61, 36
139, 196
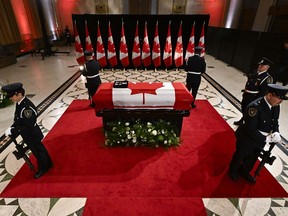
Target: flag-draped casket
146, 101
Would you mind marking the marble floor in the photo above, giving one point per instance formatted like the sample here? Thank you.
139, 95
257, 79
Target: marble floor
54, 83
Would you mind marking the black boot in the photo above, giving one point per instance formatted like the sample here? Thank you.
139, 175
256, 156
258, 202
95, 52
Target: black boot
233, 176
92, 104
246, 175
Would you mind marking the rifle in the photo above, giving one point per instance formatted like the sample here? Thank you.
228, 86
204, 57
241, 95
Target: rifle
20, 152
265, 158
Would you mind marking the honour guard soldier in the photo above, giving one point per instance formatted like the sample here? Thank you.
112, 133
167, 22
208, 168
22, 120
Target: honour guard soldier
256, 85
260, 126
91, 72
25, 124
195, 66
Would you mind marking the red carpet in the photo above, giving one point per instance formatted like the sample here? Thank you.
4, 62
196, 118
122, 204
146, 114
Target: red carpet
141, 179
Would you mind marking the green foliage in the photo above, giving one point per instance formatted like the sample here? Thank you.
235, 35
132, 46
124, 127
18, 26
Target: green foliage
138, 133
4, 101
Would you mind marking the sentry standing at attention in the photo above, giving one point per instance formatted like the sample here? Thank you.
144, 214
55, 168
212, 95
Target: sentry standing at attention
195, 66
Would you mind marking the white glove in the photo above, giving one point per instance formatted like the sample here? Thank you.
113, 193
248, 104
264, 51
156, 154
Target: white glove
269, 138
8, 132
276, 138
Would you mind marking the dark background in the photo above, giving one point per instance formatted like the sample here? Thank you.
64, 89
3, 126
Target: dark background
243, 49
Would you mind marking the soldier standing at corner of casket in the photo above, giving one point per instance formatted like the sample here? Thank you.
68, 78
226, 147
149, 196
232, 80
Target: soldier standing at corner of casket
260, 126
91, 72
25, 124
195, 66
256, 85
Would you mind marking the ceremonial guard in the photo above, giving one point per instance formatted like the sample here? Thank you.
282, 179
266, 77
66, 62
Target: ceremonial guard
260, 126
25, 124
256, 85
195, 66
91, 72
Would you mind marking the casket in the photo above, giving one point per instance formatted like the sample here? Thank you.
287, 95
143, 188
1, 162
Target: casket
143, 100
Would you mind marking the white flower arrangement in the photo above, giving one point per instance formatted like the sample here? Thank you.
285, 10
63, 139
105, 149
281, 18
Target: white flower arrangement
138, 133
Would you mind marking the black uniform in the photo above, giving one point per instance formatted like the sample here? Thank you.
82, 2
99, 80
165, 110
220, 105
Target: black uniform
255, 87
91, 72
259, 119
25, 124
195, 66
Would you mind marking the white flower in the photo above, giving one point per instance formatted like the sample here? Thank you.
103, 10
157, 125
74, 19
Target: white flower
154, 132
129, 136
127, 124
165, 142
149, 130
149, 123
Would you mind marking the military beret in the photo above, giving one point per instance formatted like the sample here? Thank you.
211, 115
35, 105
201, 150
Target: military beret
280, 91
12, 89
265, 61
88, 52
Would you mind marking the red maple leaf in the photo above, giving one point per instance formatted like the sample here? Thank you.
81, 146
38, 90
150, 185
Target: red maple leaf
149, 88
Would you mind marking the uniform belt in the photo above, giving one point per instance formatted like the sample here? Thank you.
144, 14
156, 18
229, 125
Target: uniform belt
251, 92
92, 76
193, 72
264, 133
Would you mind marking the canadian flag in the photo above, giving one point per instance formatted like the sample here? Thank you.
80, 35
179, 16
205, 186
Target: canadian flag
136, 58
202, 40
178, 54
101, 57
111, 53
146, 58
80, 58
123, 54
88, 44
156, 56
191, 44
145, 95
167, 55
